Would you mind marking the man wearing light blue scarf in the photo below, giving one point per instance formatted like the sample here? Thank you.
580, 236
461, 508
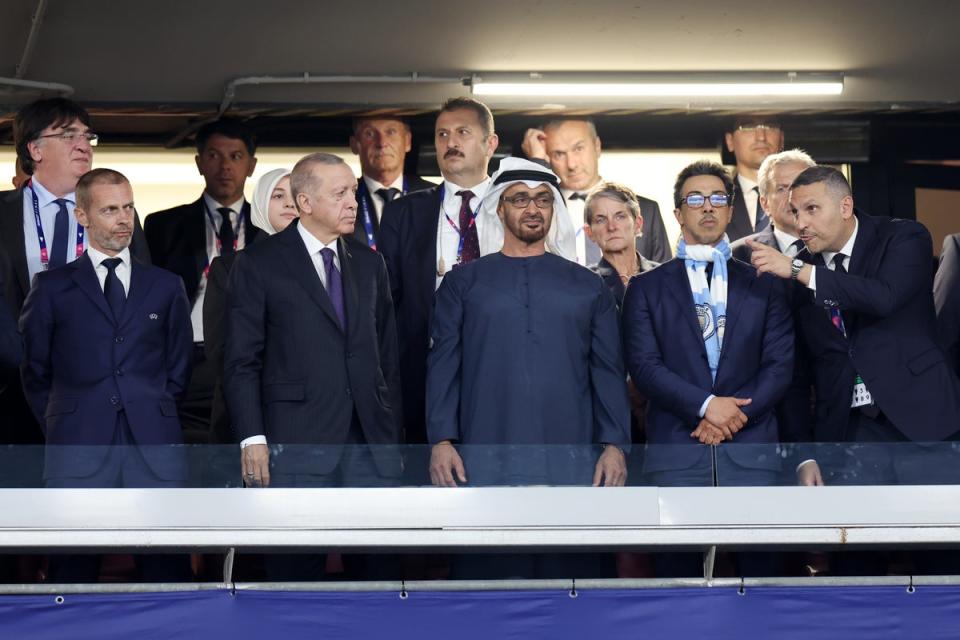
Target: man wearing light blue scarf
711, 346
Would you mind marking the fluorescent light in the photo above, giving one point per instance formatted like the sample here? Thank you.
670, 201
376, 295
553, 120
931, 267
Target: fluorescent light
647, 89
657, 84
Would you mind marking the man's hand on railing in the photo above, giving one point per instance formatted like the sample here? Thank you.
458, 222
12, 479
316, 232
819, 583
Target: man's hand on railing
808, 474
444, 461
611, 469
255, 462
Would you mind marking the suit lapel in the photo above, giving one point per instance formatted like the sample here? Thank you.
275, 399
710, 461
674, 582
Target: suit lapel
425, 223
863, 245
680, 290
11, 237
250, 230
86, 278
301, 266
350, 295
195, 230
738, 285
140, 285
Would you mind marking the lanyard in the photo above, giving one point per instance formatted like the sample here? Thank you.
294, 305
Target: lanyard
365, 206
460, 232
216, 234
44, 254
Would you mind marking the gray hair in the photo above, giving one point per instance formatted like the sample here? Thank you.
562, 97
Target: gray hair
774, 160
557, 122
614, 191
302, 178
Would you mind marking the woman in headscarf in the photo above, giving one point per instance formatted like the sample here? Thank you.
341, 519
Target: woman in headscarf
271, 210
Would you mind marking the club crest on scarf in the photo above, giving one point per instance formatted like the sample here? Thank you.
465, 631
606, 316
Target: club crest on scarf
709, 295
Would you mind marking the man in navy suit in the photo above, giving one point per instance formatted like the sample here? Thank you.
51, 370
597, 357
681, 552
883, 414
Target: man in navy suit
187, 238
711, 346
868, 322
382, 144
427, 233
107, 357
311, 353
946, 295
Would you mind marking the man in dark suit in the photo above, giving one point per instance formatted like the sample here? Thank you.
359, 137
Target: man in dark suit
868, 322
946, 296
187, 238
427, 233
711, 345
382, 144
751, 139
107, 356
311, 351
572, 148
11, 346
38, 227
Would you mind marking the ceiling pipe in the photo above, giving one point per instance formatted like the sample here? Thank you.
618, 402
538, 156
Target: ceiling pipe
16, 83
230, 92
35, 23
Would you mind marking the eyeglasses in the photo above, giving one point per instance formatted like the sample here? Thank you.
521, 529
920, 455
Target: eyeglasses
696, 200
752, 128
522, 201
72, 136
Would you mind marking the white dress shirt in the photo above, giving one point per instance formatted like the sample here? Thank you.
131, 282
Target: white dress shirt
212, 226
448, 238
847, 251
750, 198
48, 218
578, 217
122, 270
373, 186
785, 242
314, 247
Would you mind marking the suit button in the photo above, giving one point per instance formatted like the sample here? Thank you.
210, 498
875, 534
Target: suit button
114, 400
119, 372
118, 339
349, 392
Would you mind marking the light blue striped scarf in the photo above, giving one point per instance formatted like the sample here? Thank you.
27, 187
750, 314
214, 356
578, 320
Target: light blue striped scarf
710, 301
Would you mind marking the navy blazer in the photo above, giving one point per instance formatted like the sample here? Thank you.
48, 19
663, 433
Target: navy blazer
891, 341
946, 296
408, 242
666, 358
82, 366
739, 226
364, 197
178, 241
292, 373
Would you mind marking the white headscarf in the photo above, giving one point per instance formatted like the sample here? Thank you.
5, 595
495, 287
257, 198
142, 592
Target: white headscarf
261, 199
561, 237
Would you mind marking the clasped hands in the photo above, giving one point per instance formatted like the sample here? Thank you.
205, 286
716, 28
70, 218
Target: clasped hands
722, 419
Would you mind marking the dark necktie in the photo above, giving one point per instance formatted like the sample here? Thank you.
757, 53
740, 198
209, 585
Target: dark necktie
113, 288
468, 229
334, 284
835, 316
577, 195
58, 253
227, 236
388, 195
798, 247
762, 219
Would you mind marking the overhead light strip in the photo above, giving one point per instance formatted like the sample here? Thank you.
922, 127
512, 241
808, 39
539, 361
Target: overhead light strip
652, 89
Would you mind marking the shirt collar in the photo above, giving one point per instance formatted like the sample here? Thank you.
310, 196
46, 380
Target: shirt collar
746, 184
566, 193
44, 197
314, 245
373, 186
213, 205
479, 190
96, 257
784, 239
847, 249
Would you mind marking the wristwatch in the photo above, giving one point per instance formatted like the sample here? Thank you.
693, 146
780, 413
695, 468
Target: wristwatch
795, 268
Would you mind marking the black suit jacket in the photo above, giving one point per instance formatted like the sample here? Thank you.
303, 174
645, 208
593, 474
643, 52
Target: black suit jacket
214, 332
408, 242
612, 279
20, 425
292, 373
11, 346
946, 296
364, 197
178, 241
891, 338
653, 244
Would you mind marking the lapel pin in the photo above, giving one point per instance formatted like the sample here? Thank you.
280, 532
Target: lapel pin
154, 316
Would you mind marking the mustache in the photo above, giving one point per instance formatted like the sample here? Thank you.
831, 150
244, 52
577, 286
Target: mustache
453, 153
533, 218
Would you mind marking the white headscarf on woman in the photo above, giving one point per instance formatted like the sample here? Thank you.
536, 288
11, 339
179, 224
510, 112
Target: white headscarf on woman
561, 237
260, 207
